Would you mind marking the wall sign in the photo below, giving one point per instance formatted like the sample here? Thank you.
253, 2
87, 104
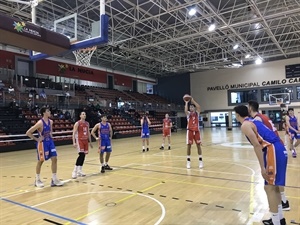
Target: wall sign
254, 84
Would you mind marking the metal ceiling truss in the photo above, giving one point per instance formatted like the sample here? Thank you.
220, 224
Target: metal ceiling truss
158, 37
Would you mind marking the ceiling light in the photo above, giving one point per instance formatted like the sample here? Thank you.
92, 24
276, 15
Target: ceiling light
236, 64
212, 27
192, 12
26, 79
247, 56
236, 46
258, 61
43, 82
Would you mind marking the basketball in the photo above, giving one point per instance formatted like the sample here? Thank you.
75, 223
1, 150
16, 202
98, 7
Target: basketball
187, 97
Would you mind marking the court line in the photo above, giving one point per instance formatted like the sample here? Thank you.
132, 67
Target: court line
123, 199
42, 211
181, 182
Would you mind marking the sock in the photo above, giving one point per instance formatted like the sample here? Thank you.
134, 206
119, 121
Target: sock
75, 168
103, 164
143, 147
169, 145
37, 177
280, 213
80, 168
275, 219
162, 145
283, 198
54, 176
188, 158
200, 157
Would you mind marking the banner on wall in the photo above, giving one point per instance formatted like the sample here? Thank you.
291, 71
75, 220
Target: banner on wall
254, 84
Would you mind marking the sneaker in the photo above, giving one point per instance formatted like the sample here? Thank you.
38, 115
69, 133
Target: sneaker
56, 182
200, 164
107, 167
147, 149
294, 153
102, 169
270, 222
188, 164
169, 148
162, 148
74, 174
81, 174
39, 183
143, 150
285, 206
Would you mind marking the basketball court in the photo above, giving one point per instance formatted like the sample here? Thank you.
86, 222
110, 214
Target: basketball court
143, 188
146, 188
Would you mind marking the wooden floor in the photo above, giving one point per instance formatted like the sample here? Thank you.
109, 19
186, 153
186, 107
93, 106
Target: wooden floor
146, 188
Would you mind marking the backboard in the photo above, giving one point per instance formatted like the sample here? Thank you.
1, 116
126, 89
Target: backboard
82, 33
279, 99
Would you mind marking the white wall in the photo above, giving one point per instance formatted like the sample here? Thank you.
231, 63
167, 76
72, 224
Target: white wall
217, 99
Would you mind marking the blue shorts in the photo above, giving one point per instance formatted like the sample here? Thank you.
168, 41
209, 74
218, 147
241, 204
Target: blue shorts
145, 134
105, 146
275, 161
45, 150
294, 135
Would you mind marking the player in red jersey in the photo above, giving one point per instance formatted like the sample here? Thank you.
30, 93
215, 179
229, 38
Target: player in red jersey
81, 139
253, 108
193, 132
167, 125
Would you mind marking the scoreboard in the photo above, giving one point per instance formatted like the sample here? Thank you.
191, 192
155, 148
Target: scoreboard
292, 71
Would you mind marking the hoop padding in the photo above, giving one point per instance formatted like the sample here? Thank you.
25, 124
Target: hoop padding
83, 56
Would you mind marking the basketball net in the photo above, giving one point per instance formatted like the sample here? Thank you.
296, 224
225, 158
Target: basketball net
83, 56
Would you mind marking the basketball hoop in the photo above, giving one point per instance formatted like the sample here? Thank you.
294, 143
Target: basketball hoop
83, 56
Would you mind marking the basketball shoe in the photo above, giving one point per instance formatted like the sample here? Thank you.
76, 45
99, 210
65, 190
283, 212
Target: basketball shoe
56, 182
200, 164
39, 183
270, 222
107, 167
285, 206
294, 153
74, 174
188, 164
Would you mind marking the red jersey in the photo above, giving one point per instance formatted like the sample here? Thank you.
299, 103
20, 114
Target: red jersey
82, 131
193, 121
167, 124
267, 122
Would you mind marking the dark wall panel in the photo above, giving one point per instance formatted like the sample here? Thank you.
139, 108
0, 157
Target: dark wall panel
173, 87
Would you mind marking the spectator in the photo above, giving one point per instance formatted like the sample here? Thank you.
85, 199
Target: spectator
11, 90
43, 94
29, 104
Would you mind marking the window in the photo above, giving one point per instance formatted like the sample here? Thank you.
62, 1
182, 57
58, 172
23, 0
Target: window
237, 97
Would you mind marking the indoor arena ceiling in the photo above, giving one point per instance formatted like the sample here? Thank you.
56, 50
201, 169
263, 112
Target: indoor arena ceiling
158, 37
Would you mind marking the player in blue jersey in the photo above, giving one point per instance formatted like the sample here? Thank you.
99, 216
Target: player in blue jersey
105, 136
45, 147
145, 132
272, 161
292, 124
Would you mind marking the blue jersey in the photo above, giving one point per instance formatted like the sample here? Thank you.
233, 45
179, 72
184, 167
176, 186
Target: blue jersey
265, 135
104, 133
145, 126
275, 155
46, 133
46, 149
293, 123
